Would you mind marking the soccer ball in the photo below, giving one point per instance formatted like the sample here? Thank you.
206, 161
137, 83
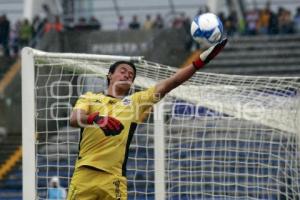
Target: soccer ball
207, 27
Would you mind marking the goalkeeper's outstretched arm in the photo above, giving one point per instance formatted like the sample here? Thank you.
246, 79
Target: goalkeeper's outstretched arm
182, 75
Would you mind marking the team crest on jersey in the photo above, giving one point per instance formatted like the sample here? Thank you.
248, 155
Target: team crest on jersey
126, 101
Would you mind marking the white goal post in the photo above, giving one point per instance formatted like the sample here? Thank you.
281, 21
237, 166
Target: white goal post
215, 137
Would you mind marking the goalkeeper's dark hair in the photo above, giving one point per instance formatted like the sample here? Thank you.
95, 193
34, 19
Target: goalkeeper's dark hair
114, 66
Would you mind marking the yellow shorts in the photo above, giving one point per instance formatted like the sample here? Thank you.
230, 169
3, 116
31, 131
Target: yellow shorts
92, 184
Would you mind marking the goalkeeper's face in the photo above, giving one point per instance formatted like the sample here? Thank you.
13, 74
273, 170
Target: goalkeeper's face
122, 78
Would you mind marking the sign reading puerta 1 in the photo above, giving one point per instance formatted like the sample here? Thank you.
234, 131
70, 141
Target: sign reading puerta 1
110, 42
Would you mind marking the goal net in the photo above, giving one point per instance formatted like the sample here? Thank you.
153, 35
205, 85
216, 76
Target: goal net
215, 137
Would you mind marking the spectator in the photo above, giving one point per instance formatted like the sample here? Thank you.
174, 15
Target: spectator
25, 33
251, 22
159, 22
36, 26
178, 21
94, 24
57, 25
148, 24
134, 24
47, 26
297, 20
4, 34
273, 23
285, 22
121, 23
231, 23
15, 38
55, 191
264, 20
280, 17
37, 30
81, 25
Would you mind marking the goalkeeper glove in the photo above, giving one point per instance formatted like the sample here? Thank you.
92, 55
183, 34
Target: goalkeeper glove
110, 126
209, 54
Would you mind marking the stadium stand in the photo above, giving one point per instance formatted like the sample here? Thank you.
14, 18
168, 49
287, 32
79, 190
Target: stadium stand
260, 55
10, 131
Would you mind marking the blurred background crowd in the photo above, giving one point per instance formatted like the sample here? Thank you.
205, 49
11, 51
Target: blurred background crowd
14, 36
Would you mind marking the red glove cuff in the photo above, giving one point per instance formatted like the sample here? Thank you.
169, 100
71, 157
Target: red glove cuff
91, 118
198, 64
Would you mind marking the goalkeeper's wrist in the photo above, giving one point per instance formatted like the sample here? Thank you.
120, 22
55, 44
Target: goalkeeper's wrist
198, 64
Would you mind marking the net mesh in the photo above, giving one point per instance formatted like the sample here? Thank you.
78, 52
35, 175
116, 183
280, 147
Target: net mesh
227, 137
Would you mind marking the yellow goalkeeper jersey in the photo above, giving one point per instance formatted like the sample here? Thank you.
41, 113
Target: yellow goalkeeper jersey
110, 153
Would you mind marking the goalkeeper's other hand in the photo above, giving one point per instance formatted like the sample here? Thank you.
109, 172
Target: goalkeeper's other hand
110, 126
209, 54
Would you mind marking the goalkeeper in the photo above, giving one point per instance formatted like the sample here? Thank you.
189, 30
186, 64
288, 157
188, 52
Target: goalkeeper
109, 121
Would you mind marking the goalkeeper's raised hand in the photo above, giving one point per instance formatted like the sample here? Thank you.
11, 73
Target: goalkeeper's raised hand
110, 126
209, 54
